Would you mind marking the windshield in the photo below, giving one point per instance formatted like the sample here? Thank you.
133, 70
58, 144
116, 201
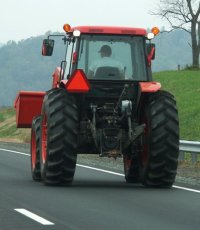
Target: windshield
112, 57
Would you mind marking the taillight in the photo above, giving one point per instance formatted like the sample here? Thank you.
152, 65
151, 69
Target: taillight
78, 83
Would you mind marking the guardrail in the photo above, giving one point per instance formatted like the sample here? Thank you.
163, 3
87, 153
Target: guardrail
192, 147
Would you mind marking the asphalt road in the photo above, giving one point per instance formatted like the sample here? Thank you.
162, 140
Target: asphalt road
96, 200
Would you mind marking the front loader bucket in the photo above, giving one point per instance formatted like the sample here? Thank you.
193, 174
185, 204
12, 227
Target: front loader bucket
28, 105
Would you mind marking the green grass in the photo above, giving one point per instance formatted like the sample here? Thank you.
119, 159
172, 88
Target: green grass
185, 86
8, 129
6, 113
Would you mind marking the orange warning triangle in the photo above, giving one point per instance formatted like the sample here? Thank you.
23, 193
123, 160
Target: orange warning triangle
78, 83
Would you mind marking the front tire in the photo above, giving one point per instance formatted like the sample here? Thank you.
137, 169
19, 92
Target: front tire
160, 142
35, 149
59, 124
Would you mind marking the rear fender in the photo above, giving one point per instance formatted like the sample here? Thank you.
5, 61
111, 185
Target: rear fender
146, 89
149, 87
28, 105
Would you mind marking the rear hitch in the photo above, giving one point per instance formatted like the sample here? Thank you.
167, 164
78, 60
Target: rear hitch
110, 145
134, 134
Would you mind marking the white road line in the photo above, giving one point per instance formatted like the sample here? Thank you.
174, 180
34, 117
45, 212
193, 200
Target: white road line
105, 171
100, 170
187, 189
33, 216
12, 151
120, 174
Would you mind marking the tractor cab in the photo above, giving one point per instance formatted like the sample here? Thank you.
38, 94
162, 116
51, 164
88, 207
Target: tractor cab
106, 53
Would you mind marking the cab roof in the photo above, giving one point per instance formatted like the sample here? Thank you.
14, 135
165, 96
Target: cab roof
110, 30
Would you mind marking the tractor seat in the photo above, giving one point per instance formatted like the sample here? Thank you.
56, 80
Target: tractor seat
109, 73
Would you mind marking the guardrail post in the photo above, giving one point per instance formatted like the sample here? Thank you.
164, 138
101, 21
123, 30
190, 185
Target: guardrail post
194, 158
181, 156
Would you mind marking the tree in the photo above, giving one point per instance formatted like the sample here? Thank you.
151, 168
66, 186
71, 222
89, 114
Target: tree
185, 15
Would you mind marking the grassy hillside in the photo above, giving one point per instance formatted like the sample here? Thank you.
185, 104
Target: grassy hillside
185, 85
8, 130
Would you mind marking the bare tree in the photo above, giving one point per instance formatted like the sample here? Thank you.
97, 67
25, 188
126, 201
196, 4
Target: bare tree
185, 15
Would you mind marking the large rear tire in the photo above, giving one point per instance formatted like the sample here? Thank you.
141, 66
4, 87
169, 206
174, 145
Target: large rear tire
35, 148
160, 142
59, 133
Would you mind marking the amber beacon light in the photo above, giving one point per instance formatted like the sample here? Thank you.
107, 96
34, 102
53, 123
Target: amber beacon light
155, 31
66, 28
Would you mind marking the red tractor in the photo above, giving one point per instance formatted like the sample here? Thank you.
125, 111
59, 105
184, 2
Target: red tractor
102, 101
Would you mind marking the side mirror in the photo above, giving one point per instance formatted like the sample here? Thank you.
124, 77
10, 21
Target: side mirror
47, 47
151, 48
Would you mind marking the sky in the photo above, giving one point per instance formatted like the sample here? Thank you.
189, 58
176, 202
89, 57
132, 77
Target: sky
21, 19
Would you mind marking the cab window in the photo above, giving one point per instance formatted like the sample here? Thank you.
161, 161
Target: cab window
112, 57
